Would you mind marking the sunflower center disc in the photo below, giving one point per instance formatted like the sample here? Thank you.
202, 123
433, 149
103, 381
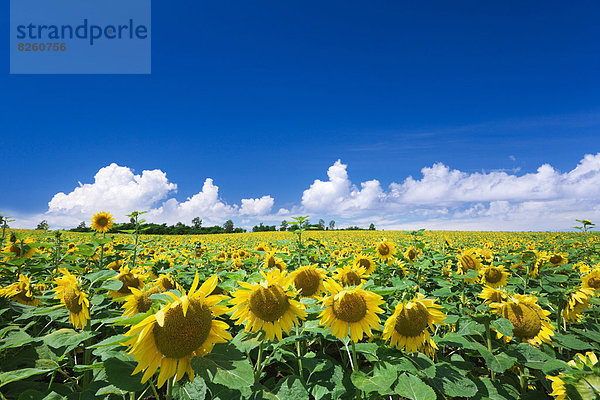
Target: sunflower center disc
143, 302
167, 283
102, 221
594, 283
181, 336
383, 249
468, 262
71, 300
364, 262
307, 282
128, 280
493, 275
269, 304
350, 308
412, 254
351, 279
412, 320
555, 259
527, 323
496, 296
271, 262
24, 296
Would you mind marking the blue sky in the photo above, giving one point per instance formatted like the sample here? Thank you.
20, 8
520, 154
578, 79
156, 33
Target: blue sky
264, 97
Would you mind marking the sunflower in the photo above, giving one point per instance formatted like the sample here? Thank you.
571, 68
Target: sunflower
128, 279
407, 327
350, 312
116, 265
308, 280
20, 292
350, 275
102, 222
183, 329
494, 276
531, 323
67, 290
591, 280
20, 248
385, 250
267, 305
139, 301
261, 247
167, 282
468, 260
578, 301
557, 258
491, 295
583, 267
486, 254
412, 253
582, 382
362, 260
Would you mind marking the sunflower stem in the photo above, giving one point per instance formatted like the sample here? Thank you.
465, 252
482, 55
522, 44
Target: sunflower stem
522, 381
299, 353
354, 361
101, 263
258, 367
154, 390
170, 389
488, 334
349, 357
87, 356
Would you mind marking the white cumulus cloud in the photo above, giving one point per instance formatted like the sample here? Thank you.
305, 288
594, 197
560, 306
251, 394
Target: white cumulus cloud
260, 206
339, 196
440, 198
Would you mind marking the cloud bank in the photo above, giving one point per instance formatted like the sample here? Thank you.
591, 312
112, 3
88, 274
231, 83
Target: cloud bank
441, 198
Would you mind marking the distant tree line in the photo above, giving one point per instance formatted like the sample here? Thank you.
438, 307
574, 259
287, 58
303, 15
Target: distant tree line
178, 229
319, 226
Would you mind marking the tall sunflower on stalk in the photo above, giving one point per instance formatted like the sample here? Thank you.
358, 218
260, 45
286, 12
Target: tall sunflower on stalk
20, 292
351, 275
531, 323
76, 301
102, 222
494, 276
365, 261
350, 312
493, 295
468, 260
385, 251
407, 327
129, 279
308, 280
412, 253
186, 327
267, 305
578, 301
139, 301
592, 279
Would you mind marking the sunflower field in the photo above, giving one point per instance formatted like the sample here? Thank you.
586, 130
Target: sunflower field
299, 315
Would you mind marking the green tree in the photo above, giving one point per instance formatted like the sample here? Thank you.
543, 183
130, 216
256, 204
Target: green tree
197, 223
228, 226
43, 226
321, 224
284, 225
372, 227
331, 225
